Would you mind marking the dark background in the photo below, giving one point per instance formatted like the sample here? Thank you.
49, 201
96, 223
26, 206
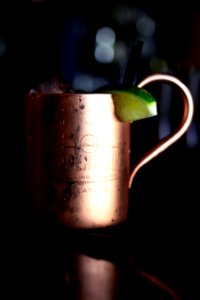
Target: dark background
41, 40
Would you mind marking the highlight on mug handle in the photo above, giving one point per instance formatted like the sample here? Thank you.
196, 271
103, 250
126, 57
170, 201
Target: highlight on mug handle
182, 128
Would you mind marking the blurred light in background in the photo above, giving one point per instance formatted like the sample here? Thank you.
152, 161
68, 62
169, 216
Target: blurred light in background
125, 15
158, 64
146, 26
104, 51
193, 85
149, 47
105, 36
121, 52
88, 82
192, 136
121, 56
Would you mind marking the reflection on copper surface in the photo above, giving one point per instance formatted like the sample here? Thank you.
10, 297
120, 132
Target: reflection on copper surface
93, 278
159, 283
97, 278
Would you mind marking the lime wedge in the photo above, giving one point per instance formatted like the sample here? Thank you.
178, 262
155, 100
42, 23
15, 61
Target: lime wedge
133, 104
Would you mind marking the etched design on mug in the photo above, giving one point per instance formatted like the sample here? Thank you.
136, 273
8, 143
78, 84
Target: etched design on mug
74, 164
89, 143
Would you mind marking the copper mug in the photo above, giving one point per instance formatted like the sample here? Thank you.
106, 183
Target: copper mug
78, 155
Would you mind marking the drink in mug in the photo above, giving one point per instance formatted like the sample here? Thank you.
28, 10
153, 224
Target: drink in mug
78, 155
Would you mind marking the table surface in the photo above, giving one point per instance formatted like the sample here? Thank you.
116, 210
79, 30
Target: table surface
59, 263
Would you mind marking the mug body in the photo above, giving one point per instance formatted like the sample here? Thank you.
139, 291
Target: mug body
77, 159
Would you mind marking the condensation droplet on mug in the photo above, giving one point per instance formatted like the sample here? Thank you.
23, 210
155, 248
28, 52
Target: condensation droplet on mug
62, 122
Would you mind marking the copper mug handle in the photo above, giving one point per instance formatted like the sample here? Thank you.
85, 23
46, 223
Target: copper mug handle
174, 136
